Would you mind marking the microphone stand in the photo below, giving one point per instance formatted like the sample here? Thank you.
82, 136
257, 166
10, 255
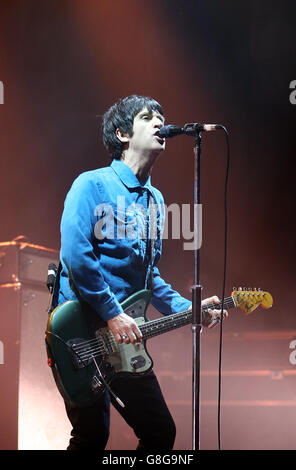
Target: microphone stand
195, 129
196, 298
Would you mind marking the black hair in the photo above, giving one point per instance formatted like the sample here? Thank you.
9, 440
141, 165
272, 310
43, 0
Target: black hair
121, 116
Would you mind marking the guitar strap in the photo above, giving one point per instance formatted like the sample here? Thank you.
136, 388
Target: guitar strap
152, 234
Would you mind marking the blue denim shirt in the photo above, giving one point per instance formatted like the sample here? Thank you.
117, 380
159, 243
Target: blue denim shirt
105, 242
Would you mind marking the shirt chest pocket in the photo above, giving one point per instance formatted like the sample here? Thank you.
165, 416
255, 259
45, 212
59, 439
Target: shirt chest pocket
118, 224
131, 223
131, 228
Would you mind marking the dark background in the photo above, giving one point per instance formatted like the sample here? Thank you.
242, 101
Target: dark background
63, 63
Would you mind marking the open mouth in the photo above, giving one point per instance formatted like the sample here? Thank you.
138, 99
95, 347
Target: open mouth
158, 136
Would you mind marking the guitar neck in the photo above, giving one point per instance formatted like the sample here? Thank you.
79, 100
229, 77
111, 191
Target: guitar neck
177, 320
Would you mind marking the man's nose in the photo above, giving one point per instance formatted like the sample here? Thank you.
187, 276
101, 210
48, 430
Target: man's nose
157, 122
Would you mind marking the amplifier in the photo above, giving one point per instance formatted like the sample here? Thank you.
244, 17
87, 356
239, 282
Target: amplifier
25, 262
30, 404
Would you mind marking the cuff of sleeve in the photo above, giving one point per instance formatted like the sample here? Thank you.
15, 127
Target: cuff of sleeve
109, 309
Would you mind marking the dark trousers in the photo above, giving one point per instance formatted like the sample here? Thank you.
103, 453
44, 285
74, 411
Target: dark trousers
145, 411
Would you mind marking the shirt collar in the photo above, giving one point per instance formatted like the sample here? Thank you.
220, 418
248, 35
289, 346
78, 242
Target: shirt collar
127, 176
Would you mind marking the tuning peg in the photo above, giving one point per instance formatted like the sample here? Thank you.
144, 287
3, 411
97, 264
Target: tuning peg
249, 288
254, 288
259, 288
234, 288
240, 288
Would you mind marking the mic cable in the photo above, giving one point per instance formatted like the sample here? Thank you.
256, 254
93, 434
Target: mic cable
223, 283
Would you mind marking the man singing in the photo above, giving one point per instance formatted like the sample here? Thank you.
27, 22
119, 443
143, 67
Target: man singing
103, 265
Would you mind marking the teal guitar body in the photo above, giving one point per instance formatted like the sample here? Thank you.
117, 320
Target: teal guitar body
84, 355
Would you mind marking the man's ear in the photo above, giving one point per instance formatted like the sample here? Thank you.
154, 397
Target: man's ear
122, 136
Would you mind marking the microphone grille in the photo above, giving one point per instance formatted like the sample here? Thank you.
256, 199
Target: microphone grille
170, 130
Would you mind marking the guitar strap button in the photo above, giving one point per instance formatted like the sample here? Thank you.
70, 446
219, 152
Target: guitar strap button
49, 362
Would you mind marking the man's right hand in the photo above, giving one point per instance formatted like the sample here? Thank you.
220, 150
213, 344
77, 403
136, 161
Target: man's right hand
124, 329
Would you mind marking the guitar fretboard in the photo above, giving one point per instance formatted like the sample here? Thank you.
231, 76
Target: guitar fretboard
177, 320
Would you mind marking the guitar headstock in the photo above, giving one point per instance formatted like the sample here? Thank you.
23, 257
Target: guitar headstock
248, 299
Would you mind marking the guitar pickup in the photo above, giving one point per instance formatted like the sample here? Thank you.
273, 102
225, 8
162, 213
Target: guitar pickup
79, 353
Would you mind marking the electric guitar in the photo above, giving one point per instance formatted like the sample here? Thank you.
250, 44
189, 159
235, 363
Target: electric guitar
84, 355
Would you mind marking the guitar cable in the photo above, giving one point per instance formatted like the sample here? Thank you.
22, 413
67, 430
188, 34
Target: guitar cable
107, 385
224, 281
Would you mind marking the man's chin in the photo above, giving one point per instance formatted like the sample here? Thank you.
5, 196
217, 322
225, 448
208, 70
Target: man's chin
161, 147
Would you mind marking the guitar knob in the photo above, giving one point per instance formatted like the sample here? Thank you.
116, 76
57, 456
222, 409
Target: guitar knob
234, 288
134, 364
137, 362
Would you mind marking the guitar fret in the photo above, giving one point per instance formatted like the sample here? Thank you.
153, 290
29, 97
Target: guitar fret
163, 325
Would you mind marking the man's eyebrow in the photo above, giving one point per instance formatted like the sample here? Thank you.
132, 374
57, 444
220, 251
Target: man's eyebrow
150, 113
160, 116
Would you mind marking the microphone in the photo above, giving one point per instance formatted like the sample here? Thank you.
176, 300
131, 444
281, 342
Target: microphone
170, 130
51, 276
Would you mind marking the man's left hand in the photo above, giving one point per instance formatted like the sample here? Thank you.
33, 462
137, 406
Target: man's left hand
212, 317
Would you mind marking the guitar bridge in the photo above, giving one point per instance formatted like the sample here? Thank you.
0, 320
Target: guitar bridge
107, 341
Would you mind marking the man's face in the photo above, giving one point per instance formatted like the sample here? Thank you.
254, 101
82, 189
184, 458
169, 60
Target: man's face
146, 132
